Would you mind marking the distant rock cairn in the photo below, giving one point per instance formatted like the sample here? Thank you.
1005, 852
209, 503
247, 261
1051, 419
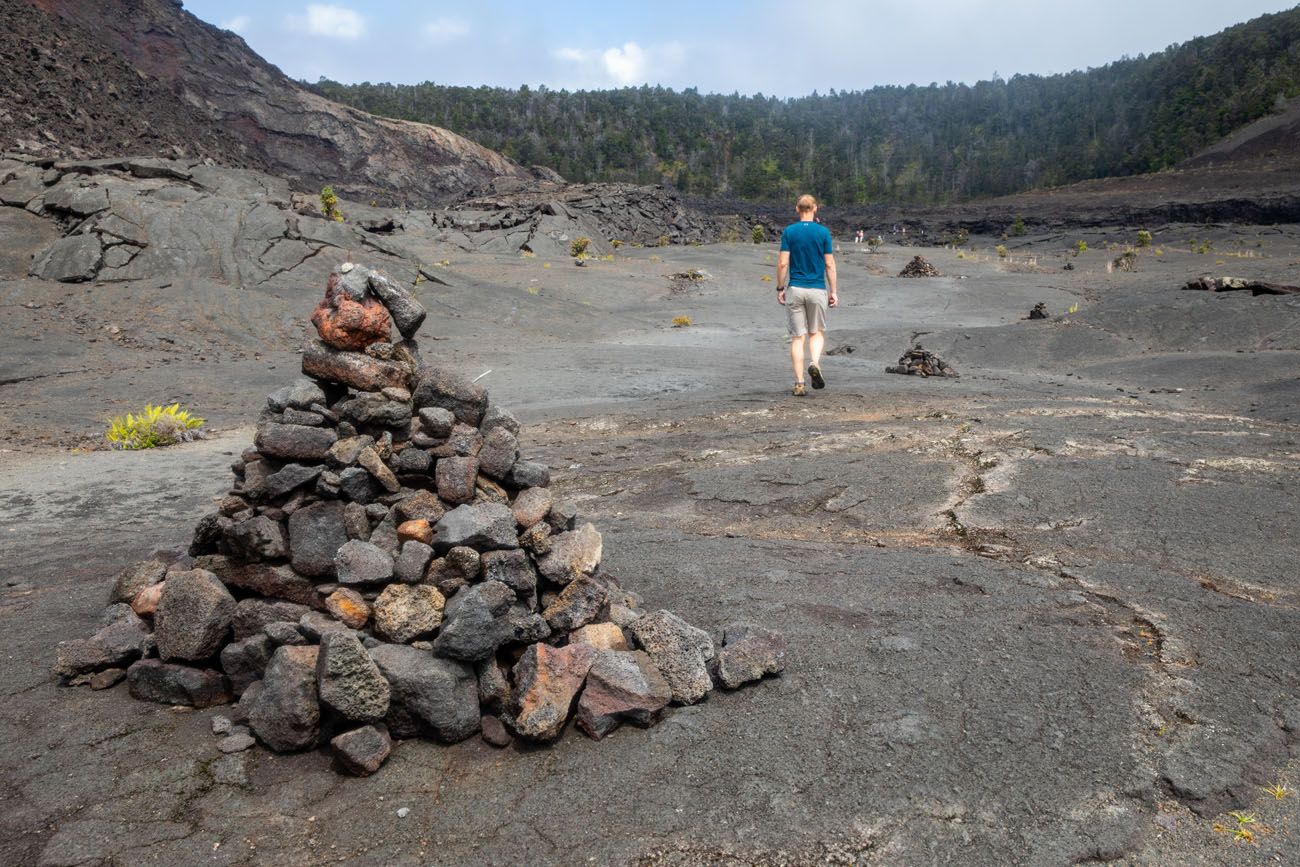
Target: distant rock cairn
918, 267
387, 565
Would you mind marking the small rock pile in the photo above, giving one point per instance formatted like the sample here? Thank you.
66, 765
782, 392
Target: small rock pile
919, 361
918, 267
388, 565
1039, 311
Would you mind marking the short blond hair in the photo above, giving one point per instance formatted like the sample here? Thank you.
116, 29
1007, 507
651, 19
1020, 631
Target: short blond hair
805, 204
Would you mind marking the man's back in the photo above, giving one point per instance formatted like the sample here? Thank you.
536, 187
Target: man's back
808, 244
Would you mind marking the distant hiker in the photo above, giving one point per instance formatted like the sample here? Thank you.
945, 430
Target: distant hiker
805, 285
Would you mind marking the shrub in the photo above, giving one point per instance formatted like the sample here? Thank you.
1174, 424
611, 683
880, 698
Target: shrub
1144, 238
154, 426
578, 247
663, 240
1080, 247
615, 243
681, 321
329, 204
758, 234
1125, 261
1001, 251
875, 242
1018, 227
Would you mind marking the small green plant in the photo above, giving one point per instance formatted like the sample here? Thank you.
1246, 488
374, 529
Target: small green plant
681, 321
1125, 261
1080, 246
578, 247
663, 240
1144, 238
875, 242
615, 243
766, 278
757, 234
154, 426
329, 204
1001, 250
961, 254
1017, 229
1073, 308
1278, 790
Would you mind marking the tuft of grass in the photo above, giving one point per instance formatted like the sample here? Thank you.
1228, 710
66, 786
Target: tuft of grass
1080, 246
578, 247
1001, 250
1143, 238
546, 264
152, 427
681, 321
615, 243
1278, 790
1017, 229
757, 234
766, 278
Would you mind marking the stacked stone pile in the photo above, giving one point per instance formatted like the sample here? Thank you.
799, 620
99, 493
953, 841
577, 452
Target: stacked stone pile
1039, 311
388, 564
919, 361
918, 267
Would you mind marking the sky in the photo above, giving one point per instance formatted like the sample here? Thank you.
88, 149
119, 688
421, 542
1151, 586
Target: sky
787, 48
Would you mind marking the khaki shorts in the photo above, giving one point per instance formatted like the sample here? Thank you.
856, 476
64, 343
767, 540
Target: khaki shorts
805, 310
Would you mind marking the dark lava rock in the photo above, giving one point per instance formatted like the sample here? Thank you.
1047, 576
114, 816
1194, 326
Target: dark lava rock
437, 422
621, 687
288, 478
455, 478
680, 652
499, 453
362, 751
547, 680
484, 526
515, 570
301, 395
252, 615
369, 408
407, 313
528, 474
411, 563
116, 645
496, 417
275, 582
421, 506
358, 562
286, 714
348, 679
429, 694
258, 538
295, 442
475, 623
494, 732
577, 605
194, 615
133, 579
444, 388
167, 683
316, 532
531, 506
493, 685
74, 259
245, 661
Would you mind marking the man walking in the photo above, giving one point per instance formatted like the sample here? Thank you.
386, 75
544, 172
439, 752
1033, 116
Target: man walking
805, 284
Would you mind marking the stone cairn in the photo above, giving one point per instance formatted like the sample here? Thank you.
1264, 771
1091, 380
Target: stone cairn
919, 361
918, 267
1039, 311
387, 565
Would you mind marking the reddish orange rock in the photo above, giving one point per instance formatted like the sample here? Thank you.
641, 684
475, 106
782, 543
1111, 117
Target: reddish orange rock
418, 530
145, 602
345, 323
547, 680
348, 607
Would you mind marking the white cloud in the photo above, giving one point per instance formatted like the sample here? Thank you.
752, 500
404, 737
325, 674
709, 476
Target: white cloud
331, 21
627, 65
238, 24
444, 30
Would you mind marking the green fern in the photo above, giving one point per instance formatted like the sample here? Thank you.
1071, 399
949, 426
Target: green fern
154, 426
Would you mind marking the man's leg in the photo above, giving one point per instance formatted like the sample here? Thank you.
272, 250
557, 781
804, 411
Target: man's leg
796, 356
816, 341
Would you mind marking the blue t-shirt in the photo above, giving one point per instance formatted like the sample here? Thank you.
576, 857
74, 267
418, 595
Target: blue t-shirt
807, 242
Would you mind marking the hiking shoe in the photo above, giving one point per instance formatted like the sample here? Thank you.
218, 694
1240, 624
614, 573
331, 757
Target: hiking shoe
815, 373
799, 390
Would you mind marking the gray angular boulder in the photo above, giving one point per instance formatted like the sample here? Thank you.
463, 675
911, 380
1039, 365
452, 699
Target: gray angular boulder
498, 455
440, 387
362, 751
358, 562
476, 622
407, 313
295, 442
455, 478
257, 538
430, 695
288, 478
484, 526
252, 615
245, 661
301, 395
348, 680
74, 259
749, 652
577, 605
513, 569
194, 615
286, 714
572, 554
116, 645
621, 687
680, 652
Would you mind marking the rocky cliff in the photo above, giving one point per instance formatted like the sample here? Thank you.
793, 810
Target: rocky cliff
107, 77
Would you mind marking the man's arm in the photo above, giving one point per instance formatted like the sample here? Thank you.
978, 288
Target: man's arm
833, 299
782, 275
